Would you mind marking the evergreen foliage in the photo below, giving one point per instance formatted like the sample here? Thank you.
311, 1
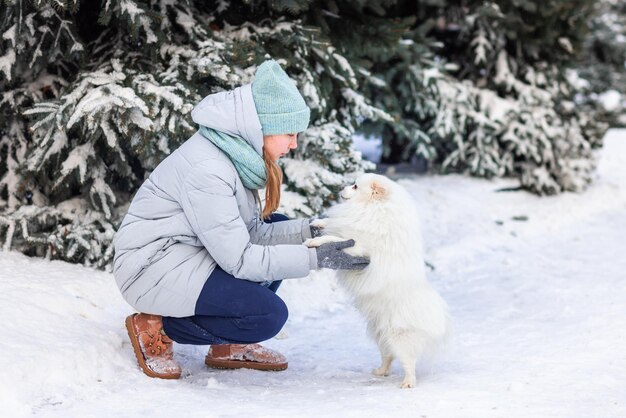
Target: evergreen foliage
479, 87
601, 77
96, 94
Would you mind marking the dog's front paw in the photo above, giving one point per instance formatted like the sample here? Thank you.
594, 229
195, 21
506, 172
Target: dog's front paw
312, 242
316, 242
319, 223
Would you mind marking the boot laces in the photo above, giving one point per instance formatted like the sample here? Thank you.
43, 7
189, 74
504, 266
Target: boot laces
159, 344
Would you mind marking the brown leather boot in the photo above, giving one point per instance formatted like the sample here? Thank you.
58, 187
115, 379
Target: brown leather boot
152, 347
249, 356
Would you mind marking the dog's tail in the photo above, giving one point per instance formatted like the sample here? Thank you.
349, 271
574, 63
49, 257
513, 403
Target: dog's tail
433, 318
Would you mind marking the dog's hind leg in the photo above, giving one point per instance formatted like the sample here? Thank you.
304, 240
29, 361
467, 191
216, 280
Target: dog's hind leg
385, 354
408, 364
385, 366
407, 346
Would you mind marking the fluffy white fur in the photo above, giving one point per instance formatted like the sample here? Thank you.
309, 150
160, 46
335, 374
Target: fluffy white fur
406, 317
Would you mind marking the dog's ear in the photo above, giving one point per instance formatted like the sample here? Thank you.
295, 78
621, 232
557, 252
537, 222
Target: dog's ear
378, 190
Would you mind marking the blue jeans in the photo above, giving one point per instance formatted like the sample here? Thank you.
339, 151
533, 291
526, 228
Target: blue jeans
231, 311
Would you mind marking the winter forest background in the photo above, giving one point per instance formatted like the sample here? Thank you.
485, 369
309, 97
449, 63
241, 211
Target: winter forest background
96, 94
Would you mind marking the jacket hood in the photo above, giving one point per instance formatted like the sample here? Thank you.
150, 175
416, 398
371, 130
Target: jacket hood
232, 112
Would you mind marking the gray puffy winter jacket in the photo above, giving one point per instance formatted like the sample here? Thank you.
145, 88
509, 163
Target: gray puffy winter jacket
193, 213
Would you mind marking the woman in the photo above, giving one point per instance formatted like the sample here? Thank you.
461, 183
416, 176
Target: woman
194, 256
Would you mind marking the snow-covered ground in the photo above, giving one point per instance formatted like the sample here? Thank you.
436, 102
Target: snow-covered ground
536, 287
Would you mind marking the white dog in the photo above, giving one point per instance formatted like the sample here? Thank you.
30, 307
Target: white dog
405, 315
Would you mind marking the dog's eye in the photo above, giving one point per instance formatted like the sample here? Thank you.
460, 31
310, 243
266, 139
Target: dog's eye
354, 187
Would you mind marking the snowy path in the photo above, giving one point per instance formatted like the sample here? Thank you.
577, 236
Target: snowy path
539, 308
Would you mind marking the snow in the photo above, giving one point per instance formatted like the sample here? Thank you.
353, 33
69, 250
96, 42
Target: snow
481, 45
573, 77
78, 158
535, 286
346, 68
131, 8
359, 103
9, 35
145, 24
6, 63
611, 100
309, 175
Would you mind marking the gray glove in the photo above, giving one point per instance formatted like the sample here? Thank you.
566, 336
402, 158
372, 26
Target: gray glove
330, 256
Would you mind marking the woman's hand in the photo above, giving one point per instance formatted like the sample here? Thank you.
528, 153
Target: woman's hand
331, 256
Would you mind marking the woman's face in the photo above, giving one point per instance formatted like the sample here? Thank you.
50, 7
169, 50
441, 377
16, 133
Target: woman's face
279, 145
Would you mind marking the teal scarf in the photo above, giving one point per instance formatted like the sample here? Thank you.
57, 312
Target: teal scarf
249, 164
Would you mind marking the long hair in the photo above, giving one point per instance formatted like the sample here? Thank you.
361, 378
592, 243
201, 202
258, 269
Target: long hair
272, 187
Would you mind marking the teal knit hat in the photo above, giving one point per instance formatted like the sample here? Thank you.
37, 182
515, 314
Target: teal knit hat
278, 102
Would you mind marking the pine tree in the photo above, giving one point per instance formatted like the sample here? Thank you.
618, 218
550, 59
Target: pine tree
600, 76
480, 87
98, 95
95, 95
